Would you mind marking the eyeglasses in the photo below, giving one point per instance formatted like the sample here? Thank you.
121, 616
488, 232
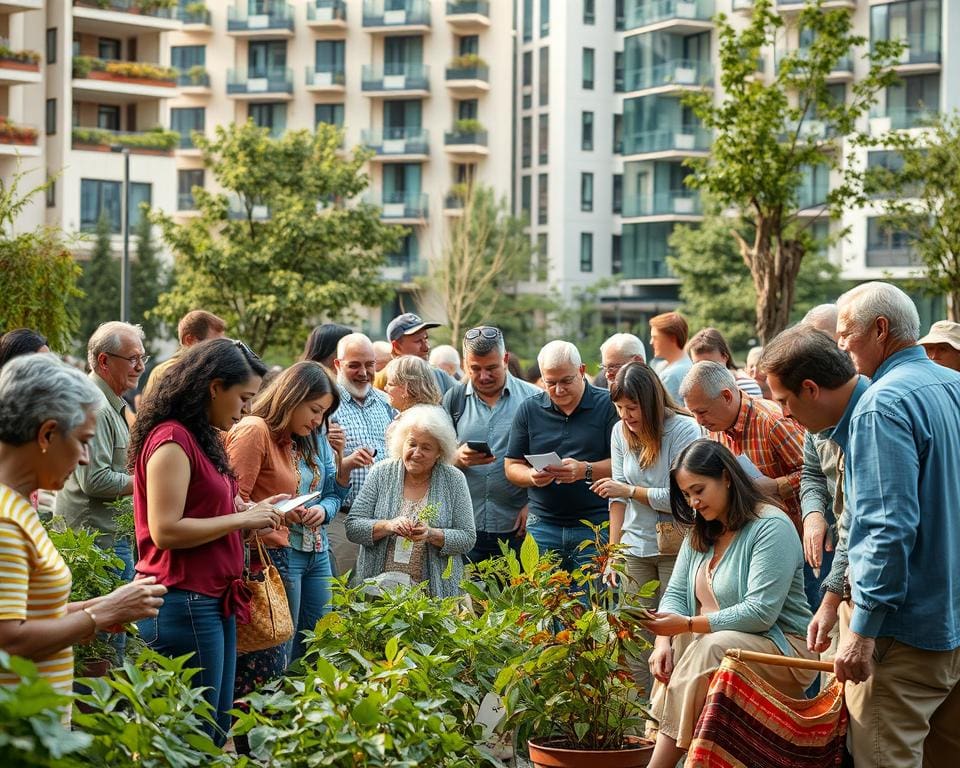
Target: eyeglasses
611, 368
566, 382
134, 360
486, 331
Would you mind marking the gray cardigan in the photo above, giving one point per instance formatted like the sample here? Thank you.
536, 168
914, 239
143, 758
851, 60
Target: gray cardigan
380, 499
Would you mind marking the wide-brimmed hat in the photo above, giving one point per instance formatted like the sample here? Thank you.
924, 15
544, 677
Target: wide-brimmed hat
943, 332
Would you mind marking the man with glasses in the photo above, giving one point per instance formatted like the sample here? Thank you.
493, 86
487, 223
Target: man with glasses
574, 419
482, 409
617, 351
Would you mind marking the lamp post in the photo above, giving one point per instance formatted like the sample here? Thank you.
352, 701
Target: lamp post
125, 228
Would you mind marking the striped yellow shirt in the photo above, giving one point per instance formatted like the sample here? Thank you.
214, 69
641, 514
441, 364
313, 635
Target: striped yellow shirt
34, 581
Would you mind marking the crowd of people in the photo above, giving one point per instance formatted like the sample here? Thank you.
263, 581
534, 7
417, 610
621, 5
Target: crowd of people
804, 506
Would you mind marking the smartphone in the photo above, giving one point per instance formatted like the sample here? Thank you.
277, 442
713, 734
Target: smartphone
479, 446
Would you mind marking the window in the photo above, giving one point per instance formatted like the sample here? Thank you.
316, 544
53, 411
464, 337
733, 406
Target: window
272, 115
409, 253
618, 193
586, 252
618, 134
52, 45
186, 120
402, 118
51, 117
586, 192
542, 198
526, 142
586, 131
469, 44
588, 57
108, 117
618, 71
616, 256
183, 57
589, 11
330, 56
108, 48
544, 18
402, 53
543, 257
468, 109
618, 15
544, 75
543, 137
139, 193
267, 58
527, 20
888, 247
332, 114
50, 193
527, 68
102, 198
187, 179
525, 197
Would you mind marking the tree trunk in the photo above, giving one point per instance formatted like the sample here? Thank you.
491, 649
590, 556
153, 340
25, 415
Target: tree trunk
953, 305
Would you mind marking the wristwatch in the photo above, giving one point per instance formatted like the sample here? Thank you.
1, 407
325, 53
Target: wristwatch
588, 472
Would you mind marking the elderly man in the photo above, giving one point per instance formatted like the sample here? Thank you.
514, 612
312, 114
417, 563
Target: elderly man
482, 410
770, 443
668, 337
573, 419
617, 351
943, 344
447, 359
364, 413
383, 353
194, 327
901, 651
116, 357
410, 335
823, 317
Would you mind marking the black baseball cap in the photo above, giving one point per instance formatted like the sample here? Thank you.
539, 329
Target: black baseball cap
406, 324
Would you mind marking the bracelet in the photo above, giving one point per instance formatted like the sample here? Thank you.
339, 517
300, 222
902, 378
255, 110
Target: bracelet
690, 624
92, 615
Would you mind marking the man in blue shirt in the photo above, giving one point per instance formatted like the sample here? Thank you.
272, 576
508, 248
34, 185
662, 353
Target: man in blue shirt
902, 484
482, 410
574, 419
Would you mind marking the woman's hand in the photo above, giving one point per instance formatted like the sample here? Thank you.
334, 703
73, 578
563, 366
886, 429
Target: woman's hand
418, 531
608, 488
661, 662
261, 515
667, 624
337, 437
140, 599
398, 526
312, 516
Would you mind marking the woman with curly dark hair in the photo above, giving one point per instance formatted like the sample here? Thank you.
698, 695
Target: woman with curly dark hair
188, 516
21, 341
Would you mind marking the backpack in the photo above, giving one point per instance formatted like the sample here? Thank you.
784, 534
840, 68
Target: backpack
454, 403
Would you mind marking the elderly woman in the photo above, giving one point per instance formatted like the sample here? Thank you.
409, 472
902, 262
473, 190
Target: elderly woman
414, 510
737, 583
411, 381
47, 418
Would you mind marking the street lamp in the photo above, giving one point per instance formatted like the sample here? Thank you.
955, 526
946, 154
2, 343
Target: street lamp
125, 224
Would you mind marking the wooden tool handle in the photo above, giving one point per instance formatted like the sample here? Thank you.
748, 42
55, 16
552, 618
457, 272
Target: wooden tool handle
780, 661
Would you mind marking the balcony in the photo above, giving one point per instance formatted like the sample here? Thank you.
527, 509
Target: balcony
681, 141
393, 16
194, 82
15, 6
674, 75
795, 6
403, 269
921, 53
685, 17
195, 17
467, 142
328, 81
125, 81
467, 76
18, 139
327, 15
401, 143
454, 201
812, 194
673, 205
260, 20
19, 67
124, 18
401, 207
154, 142
401, 80
900, 119
274, 84
888, 247
841, 72
468, 17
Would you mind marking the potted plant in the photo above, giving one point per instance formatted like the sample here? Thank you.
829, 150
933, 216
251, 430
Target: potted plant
570, 693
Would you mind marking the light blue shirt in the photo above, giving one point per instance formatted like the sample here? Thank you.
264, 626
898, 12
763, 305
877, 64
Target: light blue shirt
496, 501
332, 495
902, 491
671, 375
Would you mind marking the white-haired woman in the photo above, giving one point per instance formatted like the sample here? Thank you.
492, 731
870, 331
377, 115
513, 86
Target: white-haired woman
414, 512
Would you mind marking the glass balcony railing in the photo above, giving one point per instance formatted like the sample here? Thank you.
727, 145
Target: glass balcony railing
480, 7
903, 118
400, 205
326, 10
690, 72
130, 6
405, 140
403, 77
677, 202
194, 13
396, 13
193, 79
405, 268
685, 138
260, 17
271, 81
465, 137
643, 14
326, 78
921, 49
473, 72
845, 64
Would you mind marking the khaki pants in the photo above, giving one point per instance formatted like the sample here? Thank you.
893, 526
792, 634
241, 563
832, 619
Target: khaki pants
907, 715
343, 552
640, 571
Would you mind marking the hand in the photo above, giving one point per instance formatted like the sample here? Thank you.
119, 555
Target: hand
312, 516
520, 526
467, 457
418, 531
399, 526
610, 576
140, 599
823, 621
608, 488
854, 659
568, 471
362, 457
540, 479
661, 662
262, 515
768, 486
667, 624
814, 539
336, 437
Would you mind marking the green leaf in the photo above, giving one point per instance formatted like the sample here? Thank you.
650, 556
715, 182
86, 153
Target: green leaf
529, 554
393, 644
365, 712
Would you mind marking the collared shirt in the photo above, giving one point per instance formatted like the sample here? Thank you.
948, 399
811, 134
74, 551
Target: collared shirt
89, 489
671, 375
366, 425
540, 427
773, 442
902, 485
496, 501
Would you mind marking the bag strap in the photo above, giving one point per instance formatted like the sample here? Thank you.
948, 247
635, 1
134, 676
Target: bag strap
265, 558
455, 402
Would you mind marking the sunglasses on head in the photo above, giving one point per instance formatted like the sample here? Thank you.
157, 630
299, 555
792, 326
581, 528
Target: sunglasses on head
485, 331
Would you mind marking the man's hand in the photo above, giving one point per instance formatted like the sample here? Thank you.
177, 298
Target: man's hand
362, 457
768, 486
520, 526
823, 621
815, 539
540, 479
337, 437
854, 660
567, 471
467, 457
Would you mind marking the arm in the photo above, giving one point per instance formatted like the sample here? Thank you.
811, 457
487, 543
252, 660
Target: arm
246, 446
98, 479
814, 496
786, 440
676, 595
659, 498
617, 510
841, 559
361, 526
460, 537
333, 492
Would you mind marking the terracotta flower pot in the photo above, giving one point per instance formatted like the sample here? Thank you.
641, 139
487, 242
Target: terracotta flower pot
545, 755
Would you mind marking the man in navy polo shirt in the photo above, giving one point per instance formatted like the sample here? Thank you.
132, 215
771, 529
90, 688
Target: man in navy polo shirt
574, 419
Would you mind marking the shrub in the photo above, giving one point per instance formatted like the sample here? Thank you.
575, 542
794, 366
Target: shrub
25, 57
11, 133
468, 61
468, 126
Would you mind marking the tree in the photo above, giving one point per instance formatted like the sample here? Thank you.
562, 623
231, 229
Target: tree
922, 199
768, 133
100, 283
148, 281
716, 286
278, 248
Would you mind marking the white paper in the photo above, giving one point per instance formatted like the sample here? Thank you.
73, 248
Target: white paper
286, 506
539, 461
402, 551
749, 467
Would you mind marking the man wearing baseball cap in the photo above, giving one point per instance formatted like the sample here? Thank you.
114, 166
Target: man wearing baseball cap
408, 335
943, 344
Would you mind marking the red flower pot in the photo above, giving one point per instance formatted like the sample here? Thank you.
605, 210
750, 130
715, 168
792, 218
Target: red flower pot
547, 755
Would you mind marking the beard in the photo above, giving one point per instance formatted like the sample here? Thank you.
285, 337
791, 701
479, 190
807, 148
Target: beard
359, 391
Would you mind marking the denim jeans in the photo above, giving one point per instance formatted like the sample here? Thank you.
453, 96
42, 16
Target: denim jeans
564, 540
488, 545
122, 548
307, 579
192, 623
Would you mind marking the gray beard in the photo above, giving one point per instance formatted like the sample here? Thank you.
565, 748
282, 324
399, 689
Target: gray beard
353, 389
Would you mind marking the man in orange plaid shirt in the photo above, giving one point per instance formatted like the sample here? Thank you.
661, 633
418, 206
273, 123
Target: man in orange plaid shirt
770, 444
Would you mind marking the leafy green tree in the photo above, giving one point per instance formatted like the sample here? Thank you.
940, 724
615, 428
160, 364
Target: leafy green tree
716, 286
100, 283
38, 275
279, 247
148, 280
769, 131
921, 197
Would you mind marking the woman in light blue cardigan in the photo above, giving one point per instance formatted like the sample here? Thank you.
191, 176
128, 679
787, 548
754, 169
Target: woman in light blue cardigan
738, 583
413, 513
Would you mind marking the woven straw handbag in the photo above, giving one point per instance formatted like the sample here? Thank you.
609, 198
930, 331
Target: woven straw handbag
270, 620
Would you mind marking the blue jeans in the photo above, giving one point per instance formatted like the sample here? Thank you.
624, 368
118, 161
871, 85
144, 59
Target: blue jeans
487, 546
307, 579
192, 623
564, 540
122, 548
811, 583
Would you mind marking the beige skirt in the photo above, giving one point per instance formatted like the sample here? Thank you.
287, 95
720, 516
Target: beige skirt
676, 706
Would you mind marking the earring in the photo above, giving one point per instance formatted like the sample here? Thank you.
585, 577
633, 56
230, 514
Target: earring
43, 450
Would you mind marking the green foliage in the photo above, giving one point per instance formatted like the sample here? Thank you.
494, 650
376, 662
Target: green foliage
100, 283
272, 277
468, 126
148, 279
38, 275
765, 136
138, 70
467, 61
716, 287
157, 139
23, 57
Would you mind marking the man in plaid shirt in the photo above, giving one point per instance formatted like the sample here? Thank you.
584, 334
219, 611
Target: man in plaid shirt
770, 443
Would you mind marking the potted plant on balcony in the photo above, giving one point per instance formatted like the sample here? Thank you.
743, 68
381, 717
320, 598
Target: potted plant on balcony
26, 60
570, 695
468, 61
11, 133
197, 74
467, 126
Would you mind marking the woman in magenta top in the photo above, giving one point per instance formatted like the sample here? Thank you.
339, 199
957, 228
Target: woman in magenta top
189, 520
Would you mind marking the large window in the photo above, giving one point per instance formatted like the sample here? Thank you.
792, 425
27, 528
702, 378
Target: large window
526, 142
186, 120
468, 109
915, 22
270, 114
527, 68
108, 48
330, 56
543, 137
468, 44
52, 45
586, 252
527, 20
589, 12
544, 18
99, 197
588, 67
332, 114
618, 71
187, 179
888, 247
183, 57
586, 131
617, 192
525, 197
401, 53
586, 192
51, 117
108, 117
542, 198
543, 257
402, 118
544, 76
266, 58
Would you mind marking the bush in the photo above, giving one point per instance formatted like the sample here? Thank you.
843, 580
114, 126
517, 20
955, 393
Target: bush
157, 138
24, 57
11, 133
468, 61
84, 65
468, 126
